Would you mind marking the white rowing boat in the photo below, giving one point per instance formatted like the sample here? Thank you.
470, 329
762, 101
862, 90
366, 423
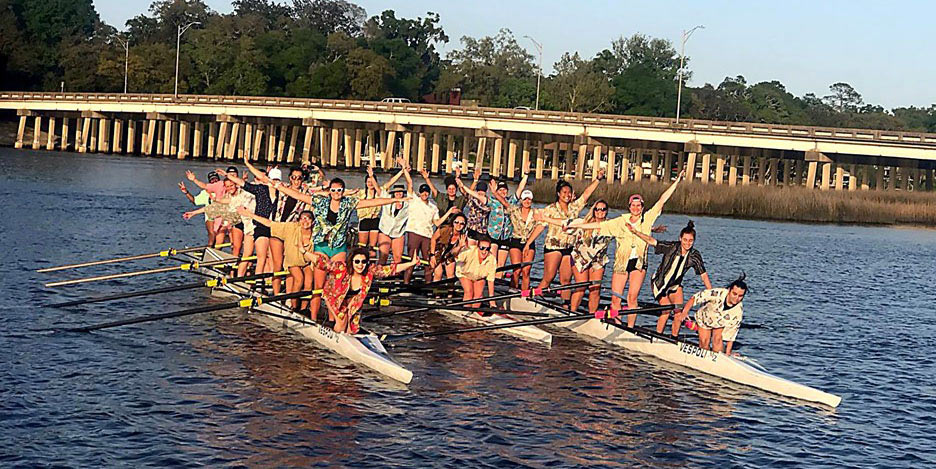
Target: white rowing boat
365, 349
531, 333
685, 354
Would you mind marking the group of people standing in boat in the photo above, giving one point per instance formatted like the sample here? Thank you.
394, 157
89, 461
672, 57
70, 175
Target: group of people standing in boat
464, 231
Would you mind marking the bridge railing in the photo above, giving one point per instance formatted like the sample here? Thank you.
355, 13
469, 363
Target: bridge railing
660, 123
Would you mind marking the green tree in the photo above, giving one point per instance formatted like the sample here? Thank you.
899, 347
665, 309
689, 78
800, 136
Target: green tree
485, 66
409, 46
577, 86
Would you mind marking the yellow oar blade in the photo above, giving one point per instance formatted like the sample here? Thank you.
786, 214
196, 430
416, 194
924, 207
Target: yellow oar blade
163, 253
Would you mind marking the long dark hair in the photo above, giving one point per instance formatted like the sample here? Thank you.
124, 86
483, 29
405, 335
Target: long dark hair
560, 185
464, 218
358, 251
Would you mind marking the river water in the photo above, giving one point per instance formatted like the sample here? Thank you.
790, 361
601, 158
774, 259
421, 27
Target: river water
846, 309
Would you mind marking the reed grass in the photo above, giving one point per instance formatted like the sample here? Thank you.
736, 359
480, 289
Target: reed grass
797, 204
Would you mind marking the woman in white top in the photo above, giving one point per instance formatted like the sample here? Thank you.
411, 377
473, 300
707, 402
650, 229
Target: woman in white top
423, 220
392, 224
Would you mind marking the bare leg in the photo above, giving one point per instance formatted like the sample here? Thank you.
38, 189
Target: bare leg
397, 246
277, 251
478, 291
578, 293
618, 282
675, 298
209, 227
704, 335
565, 276
516, 257
468, 288
292, 282
248, 250
551, 261
594, 291
383, 247
525, 272
237, 241
450, 270
319, 281
634, 281
262, 245
717, 340
363, 237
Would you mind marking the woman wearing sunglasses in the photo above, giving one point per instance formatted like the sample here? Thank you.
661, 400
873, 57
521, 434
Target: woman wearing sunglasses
444, 244
630, 258
475, 266
332, 215
369, 217
589, 255
348, 283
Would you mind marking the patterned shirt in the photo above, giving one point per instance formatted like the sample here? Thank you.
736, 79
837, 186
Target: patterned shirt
499, 225
369, 212
288, 208
265, 197
629, 246
713, 314
323, 231
477, 214
522, 226
556, 236
674, 266
338, 283
590, 250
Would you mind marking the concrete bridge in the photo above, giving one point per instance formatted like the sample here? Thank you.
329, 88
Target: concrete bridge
506, 142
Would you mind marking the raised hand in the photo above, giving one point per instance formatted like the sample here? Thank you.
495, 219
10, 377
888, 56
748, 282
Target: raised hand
187, 215
424, 173
190, 176
183, 188
601, 174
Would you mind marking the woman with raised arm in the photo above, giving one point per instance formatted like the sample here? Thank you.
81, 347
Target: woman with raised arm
448, 200
557, 249
630, 258
369, 217
499, 226
393, 219
678, 257
332, 216
444, 244
589, 255
297, 241
348, 283
264, 198
422, 223
522, 244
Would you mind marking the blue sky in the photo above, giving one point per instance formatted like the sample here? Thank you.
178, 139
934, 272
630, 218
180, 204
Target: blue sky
883, 49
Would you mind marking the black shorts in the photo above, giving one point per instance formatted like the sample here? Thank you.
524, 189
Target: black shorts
632, 265
517, 243
261, 231
502, 243
472, 234
368, 224
564, 251
239, 226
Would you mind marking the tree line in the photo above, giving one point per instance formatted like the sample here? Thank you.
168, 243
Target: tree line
333, 49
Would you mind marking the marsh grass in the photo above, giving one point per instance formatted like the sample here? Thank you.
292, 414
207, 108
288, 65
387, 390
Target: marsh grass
770, 203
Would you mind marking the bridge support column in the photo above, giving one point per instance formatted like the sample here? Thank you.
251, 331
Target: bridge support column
761, 171
358, 148
63, 142
256, 149
624, 175
825, 183
654, 165
420, 151
271, 143
408, 148
169, 143
435, 153
250, 134
449, 153
281, 144
898, 181
811, 174
223, 140
772, 167
117, 146
463, 155
540, 159
389, 141
719, 169
210, 143
786, 180
878, 171
37, 131
197, 139
525, 158
582, 158
348, 149
596, 161
479, 156
746, 171
333, 143
612, 164
929, 178
706, 167
307, 143
554, 169
640, 154
853, 177
103, 136
50, 135
512, 146
691, 159
371, 148
85, 134
93, 137
733, 170
131, 136
20, 131
183, 140
839, 177
865, 171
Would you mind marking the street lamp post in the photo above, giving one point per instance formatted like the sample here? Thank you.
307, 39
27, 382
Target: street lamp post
539, 72
682, 64
181, 30
126, 46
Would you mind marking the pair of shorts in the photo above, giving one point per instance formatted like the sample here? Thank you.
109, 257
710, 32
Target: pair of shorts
261, 231
472, 234
633, 265
502, 243
666, 291
239, 226
368, 224
564, 251
517, 243
329, 251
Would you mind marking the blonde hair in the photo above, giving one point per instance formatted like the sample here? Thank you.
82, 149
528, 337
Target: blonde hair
590, 217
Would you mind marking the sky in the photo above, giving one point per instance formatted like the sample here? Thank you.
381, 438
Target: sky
883, 49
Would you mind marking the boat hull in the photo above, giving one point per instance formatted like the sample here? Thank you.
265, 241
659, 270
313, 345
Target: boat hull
364, 349
686, 355
531, 333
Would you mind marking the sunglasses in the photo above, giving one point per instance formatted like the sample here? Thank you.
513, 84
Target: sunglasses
359, 261
601, 209
485, 248
458, 223
295, 178
337, 189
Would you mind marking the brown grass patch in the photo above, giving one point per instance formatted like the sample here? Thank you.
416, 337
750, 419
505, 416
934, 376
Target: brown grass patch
770, 203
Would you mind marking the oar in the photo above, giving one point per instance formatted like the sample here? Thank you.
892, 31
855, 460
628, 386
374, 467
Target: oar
187, 266
527, 293
678, 307
243, 303
532, 322
165, 253
447, 281
155, 291
382, 302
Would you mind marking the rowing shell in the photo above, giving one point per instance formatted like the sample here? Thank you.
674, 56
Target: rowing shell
531, 333
687, 355
365, 349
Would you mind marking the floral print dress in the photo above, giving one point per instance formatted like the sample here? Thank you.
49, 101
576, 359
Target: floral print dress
338, 284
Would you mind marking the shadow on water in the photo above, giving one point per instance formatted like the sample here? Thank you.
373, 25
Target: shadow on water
842, 309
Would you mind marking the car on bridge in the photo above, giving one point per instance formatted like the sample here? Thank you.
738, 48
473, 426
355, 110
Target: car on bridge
395, 100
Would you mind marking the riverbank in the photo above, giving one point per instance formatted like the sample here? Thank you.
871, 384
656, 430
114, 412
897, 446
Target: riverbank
796, 204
